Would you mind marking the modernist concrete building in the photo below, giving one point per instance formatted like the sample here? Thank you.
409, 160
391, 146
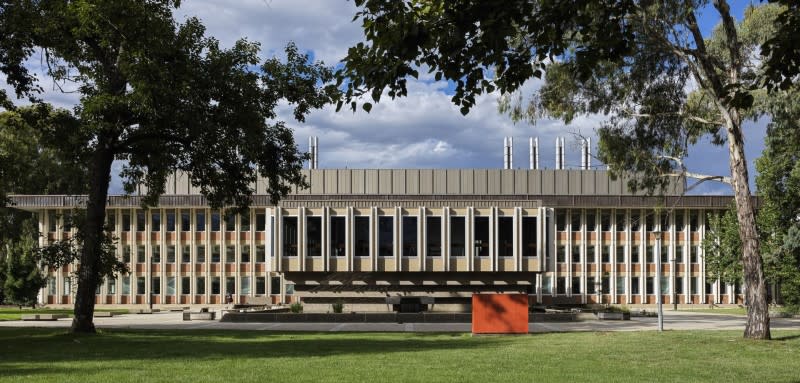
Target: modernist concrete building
562, 236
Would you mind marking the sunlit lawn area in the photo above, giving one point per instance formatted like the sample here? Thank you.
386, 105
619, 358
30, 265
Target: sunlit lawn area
719, 310
37, 355
14, 313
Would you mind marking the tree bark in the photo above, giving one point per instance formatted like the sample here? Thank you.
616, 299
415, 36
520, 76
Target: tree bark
99, 180
757, 326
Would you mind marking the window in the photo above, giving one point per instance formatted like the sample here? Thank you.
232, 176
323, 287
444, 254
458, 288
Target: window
155, 285
665, 222
723, 288
126, 285
126, 221
709, 288
561, 285
650, 283
155, 221
200, 255
679, 253
111, 286
244, 221
505, 237
126, 254
186, 254
576, 285
481, 236
695, 283
434, 234
215, 256
679, 223
200, 285
140, 256
576, 254
361, 237
664, 285
606, 255
620, 285
200, 221
290, 289
635, 285
620, 221
561, 221
457, 234
185, 220
140, 220
170, 285
620, 254
561, 253
186, 285
230, 254
591, 256
261, 253
261, 285
693, 253
289, 236
529, 236
635, 219
155, 255
693, 221
245, 253
605, 285
171, 254
230, 221
275, 285
650, 255
140, 286
51, 286
591, 224
245, 281
215, 220
215, 286
338, 230
230, 285
314, 236
261, 222
575, 225
678, 285
635, 253
52, 220
605, 220
650, 222
591, 286
170, 220
547, 287
386, 236
664, 254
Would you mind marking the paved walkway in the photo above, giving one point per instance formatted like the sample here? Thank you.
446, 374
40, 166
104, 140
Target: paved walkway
673, 320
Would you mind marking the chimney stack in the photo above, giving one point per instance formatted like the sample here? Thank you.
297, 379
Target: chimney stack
559, 153
508, 152
586, 154
313, 151
534, 152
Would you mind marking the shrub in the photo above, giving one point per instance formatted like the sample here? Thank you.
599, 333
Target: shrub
296, 307
338, 306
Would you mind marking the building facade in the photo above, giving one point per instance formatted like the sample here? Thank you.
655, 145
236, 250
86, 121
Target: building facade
562, 236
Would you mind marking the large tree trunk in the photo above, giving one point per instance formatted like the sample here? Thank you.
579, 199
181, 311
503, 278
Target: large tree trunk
100, 177
757, 326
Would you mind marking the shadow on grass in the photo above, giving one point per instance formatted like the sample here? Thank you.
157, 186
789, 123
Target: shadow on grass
30, 352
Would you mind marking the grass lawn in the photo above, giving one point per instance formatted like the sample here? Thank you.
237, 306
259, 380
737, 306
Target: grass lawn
9, 313
48, 355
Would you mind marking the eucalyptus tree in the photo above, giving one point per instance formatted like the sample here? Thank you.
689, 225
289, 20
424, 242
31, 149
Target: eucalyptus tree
645, 64
161, 96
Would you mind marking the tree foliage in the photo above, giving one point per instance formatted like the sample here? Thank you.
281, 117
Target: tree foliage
723, 248
782, 50
23, 276
161, 96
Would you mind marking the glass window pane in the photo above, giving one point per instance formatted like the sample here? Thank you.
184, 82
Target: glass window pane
481, 236
314, 236
289, 236
362, 237
529, 236
385, 236
505, 237
338, 229
434, 236
457, 234
409, 236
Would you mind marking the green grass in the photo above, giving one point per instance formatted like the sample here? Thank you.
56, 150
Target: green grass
8, 313
48, 355
720, 310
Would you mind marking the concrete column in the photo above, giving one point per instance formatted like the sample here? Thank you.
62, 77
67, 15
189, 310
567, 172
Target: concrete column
446, 238
349, 232
326, 238
422, 237
469, 238
397, 230
373, 237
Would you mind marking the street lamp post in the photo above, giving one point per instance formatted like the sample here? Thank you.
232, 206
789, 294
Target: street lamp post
657, 235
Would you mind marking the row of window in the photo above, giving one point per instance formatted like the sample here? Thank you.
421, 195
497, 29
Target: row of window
200, 254
173, 221
603, 286
650, 220
409, 229
619, 255
126, 282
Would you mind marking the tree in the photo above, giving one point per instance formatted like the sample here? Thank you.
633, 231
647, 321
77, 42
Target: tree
631, 60
162, 97
782, 50
723, 248
23, 277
